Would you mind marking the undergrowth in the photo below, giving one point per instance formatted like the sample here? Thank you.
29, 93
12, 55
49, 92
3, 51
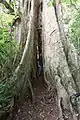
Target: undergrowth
8, 49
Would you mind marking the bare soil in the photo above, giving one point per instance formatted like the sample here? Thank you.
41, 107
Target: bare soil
44, 106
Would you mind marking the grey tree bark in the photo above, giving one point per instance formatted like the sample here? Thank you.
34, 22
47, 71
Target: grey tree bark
60, 60
26, 65
61, 66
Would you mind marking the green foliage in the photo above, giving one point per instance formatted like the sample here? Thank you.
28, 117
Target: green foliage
49, 4
8, 52
8, 49
71, 16
5, 19
54, 2
68, 1
74, 31
5, 94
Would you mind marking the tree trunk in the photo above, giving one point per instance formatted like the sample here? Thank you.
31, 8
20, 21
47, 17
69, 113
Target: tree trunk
24, 69
58, 63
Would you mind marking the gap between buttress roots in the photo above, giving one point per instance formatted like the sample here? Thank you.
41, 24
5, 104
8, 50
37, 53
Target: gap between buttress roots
38, 78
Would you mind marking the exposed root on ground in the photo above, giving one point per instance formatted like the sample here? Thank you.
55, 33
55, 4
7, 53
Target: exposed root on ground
44, 106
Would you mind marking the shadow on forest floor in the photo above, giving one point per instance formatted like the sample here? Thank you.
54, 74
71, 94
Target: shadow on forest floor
44, 106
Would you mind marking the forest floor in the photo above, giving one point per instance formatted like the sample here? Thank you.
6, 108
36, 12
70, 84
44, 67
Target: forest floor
44, 106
